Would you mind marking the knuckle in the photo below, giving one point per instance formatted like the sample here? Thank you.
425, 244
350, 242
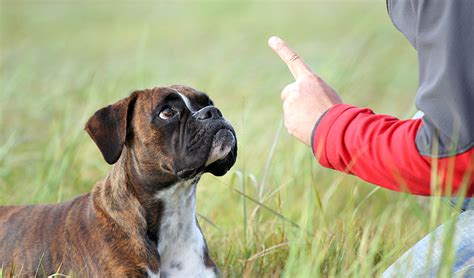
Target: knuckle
289, 87
290, 99
291, 130
287, 91
298, 90
293, 57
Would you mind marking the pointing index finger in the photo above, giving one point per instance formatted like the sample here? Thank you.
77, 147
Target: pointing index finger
297, 66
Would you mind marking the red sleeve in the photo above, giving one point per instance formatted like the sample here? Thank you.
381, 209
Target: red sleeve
381, 150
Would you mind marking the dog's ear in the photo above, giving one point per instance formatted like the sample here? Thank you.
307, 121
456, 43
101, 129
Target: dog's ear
108, 127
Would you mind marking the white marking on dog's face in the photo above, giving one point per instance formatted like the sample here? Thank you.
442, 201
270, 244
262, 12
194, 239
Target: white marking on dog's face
152, 274
181, 243
187, 102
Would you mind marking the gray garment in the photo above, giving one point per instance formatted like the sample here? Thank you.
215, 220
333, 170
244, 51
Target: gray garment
442, 32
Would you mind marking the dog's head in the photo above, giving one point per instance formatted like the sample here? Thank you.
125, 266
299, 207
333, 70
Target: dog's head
170, 133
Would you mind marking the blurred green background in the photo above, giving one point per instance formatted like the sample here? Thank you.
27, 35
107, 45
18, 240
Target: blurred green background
277, 212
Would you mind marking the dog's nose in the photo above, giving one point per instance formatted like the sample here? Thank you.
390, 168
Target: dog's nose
208, 113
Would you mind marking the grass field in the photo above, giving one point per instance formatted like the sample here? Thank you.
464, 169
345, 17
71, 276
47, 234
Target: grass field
277, 212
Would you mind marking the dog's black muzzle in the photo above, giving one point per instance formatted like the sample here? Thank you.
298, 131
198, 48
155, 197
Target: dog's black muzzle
207, 130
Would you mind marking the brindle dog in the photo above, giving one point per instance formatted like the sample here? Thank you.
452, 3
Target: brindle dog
140, 220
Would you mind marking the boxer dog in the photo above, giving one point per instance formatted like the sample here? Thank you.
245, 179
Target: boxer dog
139, 221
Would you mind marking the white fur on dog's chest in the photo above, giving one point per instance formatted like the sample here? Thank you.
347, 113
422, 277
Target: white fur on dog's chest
181, 243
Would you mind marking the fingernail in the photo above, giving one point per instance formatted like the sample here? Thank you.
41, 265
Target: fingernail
273, 41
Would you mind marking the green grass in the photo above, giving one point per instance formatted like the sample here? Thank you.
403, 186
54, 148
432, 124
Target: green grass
277, 212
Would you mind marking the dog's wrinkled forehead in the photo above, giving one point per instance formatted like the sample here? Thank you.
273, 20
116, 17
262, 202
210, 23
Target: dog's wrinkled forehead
152, 98
196, 99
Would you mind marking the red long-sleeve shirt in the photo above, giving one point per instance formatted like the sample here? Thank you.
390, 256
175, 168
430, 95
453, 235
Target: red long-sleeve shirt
415, 155
381, 149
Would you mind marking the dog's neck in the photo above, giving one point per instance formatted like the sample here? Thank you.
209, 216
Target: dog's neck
181, 244
178, 215
117, 204
164, 219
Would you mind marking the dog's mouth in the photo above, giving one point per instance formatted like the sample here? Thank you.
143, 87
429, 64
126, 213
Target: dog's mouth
221, 146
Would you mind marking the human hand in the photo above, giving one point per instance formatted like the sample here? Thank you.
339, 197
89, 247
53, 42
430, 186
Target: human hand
306, 99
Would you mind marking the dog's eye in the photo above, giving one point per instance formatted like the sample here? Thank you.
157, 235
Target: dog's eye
167, 113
